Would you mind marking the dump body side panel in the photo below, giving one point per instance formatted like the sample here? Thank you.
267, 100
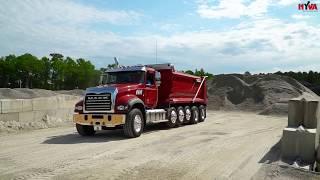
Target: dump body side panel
164, 89
180, 88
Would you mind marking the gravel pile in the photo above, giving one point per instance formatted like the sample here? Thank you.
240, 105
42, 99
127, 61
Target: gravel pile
265, 94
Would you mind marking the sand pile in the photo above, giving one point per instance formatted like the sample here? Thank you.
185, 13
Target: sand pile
266, 94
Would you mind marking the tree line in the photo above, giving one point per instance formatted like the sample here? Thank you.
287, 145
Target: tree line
200, 72
55, 72
310, 77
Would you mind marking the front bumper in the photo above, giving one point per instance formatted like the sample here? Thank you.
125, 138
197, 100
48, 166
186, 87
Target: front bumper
107, 120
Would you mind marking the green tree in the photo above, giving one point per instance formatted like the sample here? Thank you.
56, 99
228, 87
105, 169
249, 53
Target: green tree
189, 72
28, 68
53, 73
58, 69
8, 71
46, 74
200, 72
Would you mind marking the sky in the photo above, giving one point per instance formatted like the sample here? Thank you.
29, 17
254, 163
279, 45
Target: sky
221, 36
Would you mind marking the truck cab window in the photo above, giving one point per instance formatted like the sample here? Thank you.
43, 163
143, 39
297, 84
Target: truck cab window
150, 79
124, 77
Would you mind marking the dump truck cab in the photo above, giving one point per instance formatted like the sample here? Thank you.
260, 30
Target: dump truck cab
137, 84
132, 97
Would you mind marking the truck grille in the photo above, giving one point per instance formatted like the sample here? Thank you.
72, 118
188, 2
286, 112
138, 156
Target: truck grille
98, 102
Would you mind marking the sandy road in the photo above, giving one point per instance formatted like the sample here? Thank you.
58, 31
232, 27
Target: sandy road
228, 145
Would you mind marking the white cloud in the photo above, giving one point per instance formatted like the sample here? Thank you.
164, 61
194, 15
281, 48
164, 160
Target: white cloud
261, 44
300, 16
168, 27
288, 2
232, 8
235, 9
61, 11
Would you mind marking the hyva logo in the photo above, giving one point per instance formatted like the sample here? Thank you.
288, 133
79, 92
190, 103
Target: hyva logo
308, 6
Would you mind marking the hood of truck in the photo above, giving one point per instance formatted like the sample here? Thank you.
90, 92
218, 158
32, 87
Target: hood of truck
118, 88
100, 90
120, 93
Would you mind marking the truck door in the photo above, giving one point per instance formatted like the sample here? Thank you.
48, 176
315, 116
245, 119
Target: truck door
151, 91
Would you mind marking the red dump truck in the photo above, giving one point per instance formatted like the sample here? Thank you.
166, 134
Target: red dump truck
133, 97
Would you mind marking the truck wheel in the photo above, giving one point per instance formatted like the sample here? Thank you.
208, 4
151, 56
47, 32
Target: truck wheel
194, 115
180, 112
134, 124
172, 117
187, 117
84, 130
202, 113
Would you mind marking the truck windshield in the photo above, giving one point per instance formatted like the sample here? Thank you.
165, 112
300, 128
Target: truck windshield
123, 77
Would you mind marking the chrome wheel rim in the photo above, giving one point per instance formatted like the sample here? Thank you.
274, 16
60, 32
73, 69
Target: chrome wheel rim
202, 113
181, 115
196, 115
137, 123
173, 117
188, 114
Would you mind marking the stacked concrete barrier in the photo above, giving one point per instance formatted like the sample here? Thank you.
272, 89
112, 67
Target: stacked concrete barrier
36, 113
300, 139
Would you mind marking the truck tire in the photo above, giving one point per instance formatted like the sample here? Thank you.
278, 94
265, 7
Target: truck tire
194, 115
187, 117
84, 130
202, 113
172, 117
134, 124
180, 113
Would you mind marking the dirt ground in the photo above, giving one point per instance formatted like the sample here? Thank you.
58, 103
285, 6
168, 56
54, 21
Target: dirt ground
228, 145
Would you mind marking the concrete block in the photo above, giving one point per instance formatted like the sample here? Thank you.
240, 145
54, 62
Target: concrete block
66, 101
299, 143
39, 115
11, 105
289, 144
9, 117
295, 112
26, 117
47, 103
63, 102
27, 105
318, 132
311, 114
318, 159
307, 145
64, 114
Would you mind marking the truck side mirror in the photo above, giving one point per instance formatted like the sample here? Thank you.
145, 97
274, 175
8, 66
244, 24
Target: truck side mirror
158, 78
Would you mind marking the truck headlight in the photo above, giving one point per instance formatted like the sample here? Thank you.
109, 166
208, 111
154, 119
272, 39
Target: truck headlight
122, 107
78, 108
